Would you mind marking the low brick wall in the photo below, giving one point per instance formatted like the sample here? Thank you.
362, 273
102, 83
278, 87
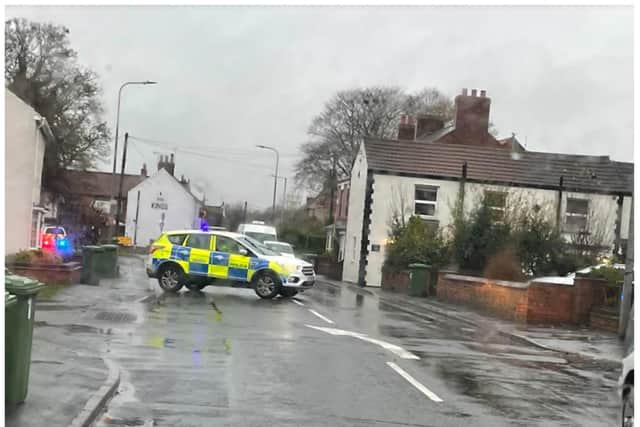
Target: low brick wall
329, 268
397, 281
533, 302
606, 321
550, 303
66, 274
498, 297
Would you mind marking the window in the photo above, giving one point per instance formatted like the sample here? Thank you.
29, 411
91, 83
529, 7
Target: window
199, 241
496, 201
177, 239
425, 200
225, 244
576, 215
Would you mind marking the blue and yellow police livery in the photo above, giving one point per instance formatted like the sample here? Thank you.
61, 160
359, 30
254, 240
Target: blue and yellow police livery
196, 258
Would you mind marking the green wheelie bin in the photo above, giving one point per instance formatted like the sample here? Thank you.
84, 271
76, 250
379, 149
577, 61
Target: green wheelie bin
418, 279
18, 336
90, 260
109, 264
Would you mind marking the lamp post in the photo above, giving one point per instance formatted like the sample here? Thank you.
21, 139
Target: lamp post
275, 179
115, 149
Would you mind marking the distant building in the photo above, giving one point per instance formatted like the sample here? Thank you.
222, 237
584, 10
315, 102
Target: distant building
318, 207
335, 233
26, 137
160, 203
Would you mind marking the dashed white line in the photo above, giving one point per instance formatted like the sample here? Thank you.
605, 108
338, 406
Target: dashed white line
298, 302
321, 316
397, 350
404, 374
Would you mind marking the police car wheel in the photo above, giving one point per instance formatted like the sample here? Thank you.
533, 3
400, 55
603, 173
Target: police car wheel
266, 285
171, 278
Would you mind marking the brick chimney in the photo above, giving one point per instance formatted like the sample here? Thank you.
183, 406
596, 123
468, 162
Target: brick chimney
472, 116
428, 124
407, 128
143, 171
167, 164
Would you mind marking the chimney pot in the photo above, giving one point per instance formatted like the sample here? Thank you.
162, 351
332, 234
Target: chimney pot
474, 92
171, 157
464, 91
483, 93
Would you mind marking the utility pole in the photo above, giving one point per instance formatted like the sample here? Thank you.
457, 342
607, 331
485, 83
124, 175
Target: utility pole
124, 162
244, 213
275, 179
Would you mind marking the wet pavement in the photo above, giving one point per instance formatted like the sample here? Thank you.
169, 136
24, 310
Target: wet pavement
329, 357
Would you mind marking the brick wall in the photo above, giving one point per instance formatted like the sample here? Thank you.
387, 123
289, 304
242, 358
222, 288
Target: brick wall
501, 298
395, 281
550, 303
66, 274
534, 302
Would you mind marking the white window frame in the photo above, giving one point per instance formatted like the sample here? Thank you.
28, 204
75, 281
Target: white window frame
433, 203
568, 214
501, 209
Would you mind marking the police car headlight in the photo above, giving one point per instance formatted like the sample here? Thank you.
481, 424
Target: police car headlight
291, 268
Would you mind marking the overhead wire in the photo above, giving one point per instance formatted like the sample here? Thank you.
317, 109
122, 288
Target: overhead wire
207, 154
168, 144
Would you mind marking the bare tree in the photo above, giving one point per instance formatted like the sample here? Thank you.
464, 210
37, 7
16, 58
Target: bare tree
349, 116
400, 209
42, 69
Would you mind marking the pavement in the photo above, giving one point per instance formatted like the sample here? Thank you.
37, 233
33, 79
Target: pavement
333, 356
579, 341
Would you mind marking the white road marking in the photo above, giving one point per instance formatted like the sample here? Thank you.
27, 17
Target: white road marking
397, 350
298, 302
404, 374
321, 316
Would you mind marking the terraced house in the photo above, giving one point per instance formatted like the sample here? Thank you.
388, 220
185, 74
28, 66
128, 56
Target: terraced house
432, 163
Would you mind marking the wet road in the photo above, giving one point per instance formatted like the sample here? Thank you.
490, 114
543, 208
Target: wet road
329, 357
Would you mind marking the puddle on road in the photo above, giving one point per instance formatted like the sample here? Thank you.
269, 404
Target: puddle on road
77, 328
59, 307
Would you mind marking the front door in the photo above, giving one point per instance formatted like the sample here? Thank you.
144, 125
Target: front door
199, 245
228, 253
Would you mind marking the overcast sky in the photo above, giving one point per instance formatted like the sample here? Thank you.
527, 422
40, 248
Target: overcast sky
233, 77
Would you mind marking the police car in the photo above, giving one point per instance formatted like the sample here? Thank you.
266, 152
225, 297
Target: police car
195, 259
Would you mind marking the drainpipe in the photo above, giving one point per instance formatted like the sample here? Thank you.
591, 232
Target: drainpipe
559, 207
618, 230
463, 181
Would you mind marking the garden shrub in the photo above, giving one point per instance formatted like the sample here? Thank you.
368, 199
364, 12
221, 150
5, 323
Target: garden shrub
505, 265
416, 243
36, 257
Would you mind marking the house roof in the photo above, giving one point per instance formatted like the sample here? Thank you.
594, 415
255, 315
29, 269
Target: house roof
593, 174
94, 184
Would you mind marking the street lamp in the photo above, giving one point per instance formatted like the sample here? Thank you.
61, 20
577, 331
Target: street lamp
115, 149
275, 178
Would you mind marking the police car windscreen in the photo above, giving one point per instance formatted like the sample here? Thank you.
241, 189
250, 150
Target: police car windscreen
256, 246
260, 237
280, 247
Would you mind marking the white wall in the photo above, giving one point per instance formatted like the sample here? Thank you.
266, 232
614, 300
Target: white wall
24, 153
517, 197
388, 193
388, 190
181, 213
602, 215
626, 212
353, 234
